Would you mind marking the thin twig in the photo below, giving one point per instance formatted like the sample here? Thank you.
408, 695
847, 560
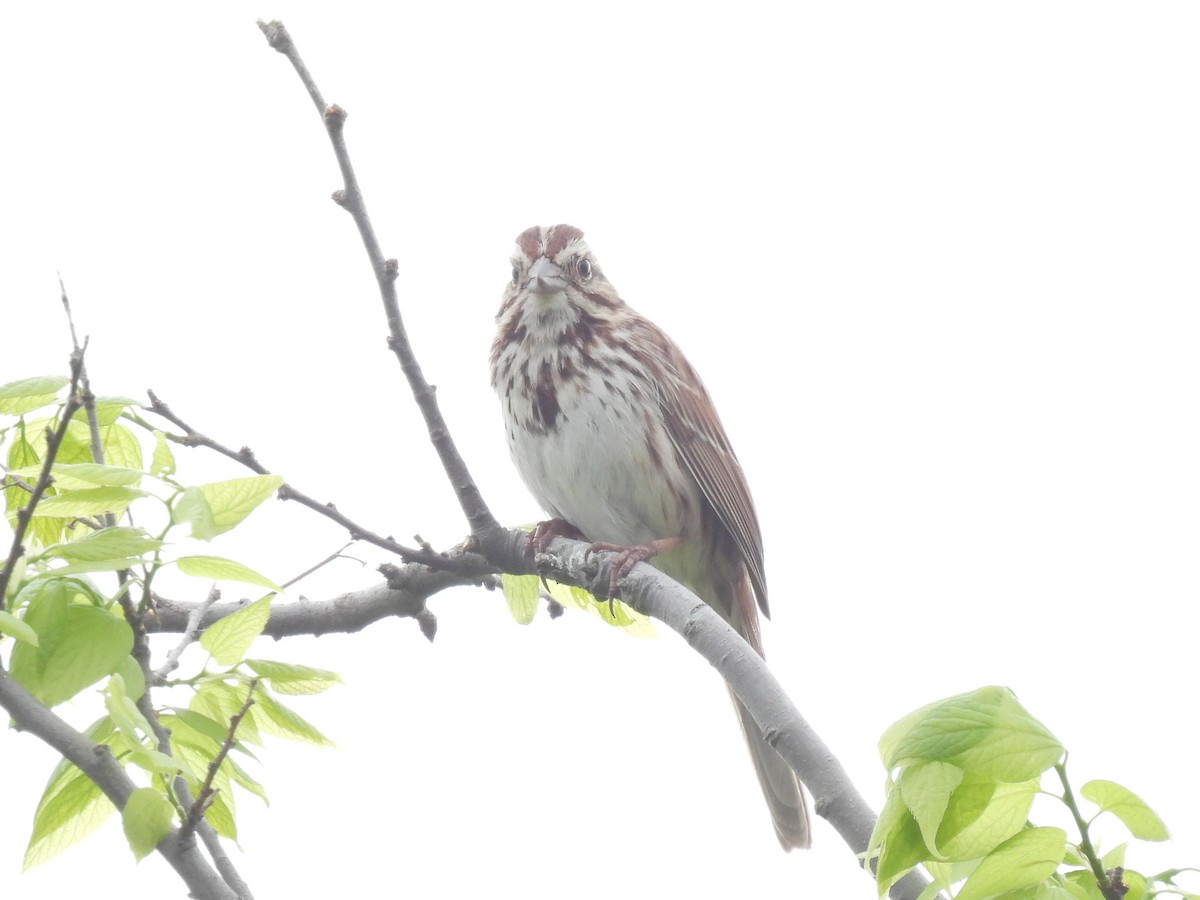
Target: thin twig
191, 633
350, 198
340, 553
464, 564
206, 793
54, 441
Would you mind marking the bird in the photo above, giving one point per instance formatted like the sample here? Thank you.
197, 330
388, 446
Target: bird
617, 438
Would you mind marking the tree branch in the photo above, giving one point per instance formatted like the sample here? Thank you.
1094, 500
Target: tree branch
652, 593
54, 440
353, 611
464, 563
350, 198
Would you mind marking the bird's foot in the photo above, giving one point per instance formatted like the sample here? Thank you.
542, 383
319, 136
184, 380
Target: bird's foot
628, 557
544, 532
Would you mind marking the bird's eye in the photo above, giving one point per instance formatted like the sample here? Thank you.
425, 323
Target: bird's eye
516, 274
585, 269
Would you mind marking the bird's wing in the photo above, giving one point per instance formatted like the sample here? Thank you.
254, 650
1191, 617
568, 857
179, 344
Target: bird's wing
698, 437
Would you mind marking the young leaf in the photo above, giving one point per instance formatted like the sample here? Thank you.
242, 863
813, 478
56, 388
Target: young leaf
521, 593
926, 789
287, 678
15, 628
229, 638
1140, 819
982, 814
109, 409
897, 841
89, 502
108, 543
218, 568
76, 476
163, 461
220, 702
985, 731
28, 394
147, 818
275, 718
78, 643
73, 810
215, 508
1024, 859
627, 619
195, 728
120, 447
220, 815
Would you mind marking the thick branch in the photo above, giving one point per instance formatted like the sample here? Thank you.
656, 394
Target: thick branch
344, 614
654, 594
95, 761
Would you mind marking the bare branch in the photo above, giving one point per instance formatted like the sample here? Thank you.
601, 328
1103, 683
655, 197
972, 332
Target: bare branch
54, 441
464, 564
206, 793
191, 634
405, 595
350, 198
652, 593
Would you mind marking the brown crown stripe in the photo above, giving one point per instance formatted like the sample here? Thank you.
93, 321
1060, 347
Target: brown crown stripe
529, 242
559, 236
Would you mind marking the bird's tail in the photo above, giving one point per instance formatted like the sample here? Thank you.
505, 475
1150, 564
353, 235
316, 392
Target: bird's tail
785, 798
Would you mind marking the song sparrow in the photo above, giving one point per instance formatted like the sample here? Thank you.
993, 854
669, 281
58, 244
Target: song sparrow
616, 437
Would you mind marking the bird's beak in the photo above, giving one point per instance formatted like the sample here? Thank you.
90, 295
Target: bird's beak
545, 277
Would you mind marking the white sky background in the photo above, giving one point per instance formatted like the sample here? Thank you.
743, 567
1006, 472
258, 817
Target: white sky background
937, 263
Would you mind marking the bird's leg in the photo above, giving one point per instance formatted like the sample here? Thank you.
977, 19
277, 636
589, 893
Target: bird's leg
628, 557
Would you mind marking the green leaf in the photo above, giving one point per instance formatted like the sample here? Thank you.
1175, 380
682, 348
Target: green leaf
132, 678
220, 815
215, 508
1024, 859
15, 628
109, 543
1140, 819
199, 730
241, 777
926, 789
521, 593
147, 819
229, 638
982, 814
78, 643
109, 409
275, 718
89, 502
287, 678
28, 394
986, 732
71, 808
218, 568
627, 619
163, 461
897, 840
124, 713
77, 476
121, 447
220, 702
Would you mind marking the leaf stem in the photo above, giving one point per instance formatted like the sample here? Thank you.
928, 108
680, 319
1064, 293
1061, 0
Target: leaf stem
1110, 890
